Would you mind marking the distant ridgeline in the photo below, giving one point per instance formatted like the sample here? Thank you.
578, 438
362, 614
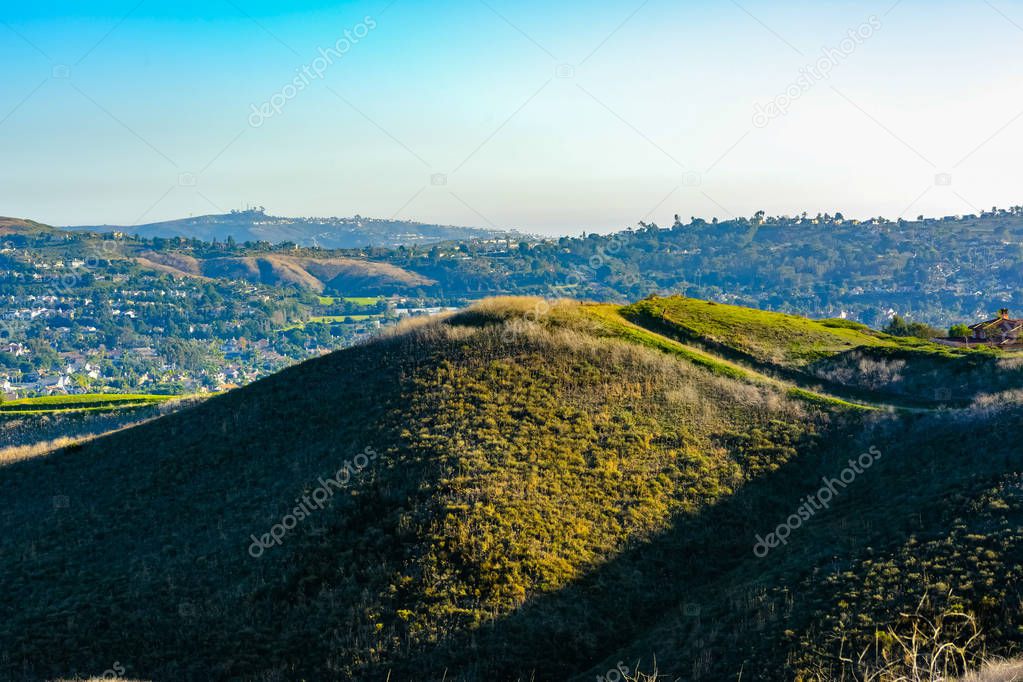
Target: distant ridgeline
255, 225
938, 271
957, 269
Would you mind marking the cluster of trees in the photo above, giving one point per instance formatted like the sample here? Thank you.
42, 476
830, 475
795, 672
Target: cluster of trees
899, 326
939, 271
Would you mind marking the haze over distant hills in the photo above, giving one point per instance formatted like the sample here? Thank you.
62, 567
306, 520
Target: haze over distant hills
256, 225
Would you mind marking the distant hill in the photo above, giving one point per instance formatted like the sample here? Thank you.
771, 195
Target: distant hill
351, 275
525, 491
10, 226
327, 233
956, 269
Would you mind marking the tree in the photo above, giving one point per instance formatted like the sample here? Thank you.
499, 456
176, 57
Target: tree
900, 326
958, 331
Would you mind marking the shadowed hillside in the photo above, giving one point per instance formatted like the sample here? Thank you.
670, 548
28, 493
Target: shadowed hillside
518, 491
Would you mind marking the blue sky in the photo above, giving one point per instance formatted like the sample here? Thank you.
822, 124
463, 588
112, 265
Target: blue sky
547, 118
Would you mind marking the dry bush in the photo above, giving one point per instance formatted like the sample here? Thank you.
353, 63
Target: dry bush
991, 404
1010, 364
860, 370
929, 649
640, 676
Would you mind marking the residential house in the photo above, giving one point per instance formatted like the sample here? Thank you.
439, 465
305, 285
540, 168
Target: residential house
1001, 330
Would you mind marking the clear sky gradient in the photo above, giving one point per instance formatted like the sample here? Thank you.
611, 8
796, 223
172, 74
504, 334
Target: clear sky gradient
547, 117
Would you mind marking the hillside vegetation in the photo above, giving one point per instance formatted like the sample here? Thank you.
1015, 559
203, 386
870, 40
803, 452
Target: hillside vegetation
835, 355
945, 271
522, 490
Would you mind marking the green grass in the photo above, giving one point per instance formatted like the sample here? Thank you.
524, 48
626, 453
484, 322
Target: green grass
616, 324
827, 400
362, 300
612, 321
85, 401
764, 335
330, 319
781, 338
844, 358
356, 300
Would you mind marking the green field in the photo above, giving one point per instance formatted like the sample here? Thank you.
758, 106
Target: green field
331, 319
86, 401
357, 300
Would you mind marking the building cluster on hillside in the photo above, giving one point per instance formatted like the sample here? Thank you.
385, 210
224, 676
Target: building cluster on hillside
139, 368
65, 329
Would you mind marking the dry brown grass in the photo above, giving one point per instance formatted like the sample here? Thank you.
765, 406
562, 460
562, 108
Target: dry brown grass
20, 452
998, 671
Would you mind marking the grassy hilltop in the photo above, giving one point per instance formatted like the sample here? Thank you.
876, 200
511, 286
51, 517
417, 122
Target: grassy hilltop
535, 491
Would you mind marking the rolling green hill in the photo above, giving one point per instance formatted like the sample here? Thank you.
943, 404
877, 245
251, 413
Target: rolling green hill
836, 356
519, 491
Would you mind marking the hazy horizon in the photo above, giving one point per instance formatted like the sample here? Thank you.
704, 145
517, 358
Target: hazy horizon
515, 116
